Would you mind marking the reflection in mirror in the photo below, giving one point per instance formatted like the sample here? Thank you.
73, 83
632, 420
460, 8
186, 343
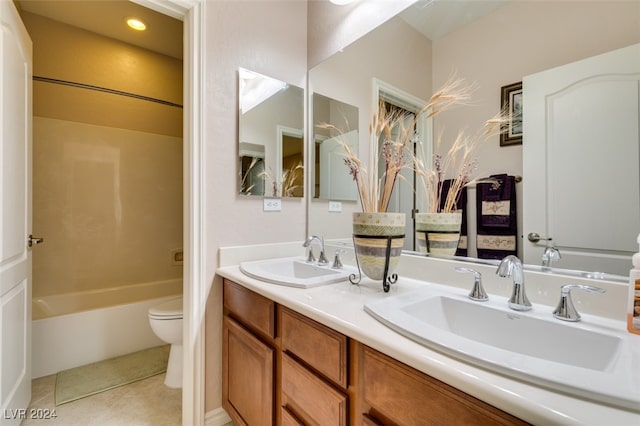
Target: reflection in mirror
492, 44
251, 169
271, 143
330, 178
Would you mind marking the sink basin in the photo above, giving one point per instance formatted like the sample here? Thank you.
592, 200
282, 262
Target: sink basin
295, 272
547, 340
588, 360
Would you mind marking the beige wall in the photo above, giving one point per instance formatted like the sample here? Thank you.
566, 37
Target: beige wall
268, 37
108, 202
67, 53
107, 183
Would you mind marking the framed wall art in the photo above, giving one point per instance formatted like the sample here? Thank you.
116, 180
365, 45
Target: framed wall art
511, 99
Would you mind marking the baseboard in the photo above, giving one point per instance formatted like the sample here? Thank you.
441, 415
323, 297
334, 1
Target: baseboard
217, 417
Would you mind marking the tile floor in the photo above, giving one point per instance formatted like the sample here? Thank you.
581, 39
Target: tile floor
146, 402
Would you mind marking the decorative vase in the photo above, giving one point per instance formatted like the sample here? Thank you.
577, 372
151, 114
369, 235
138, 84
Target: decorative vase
375, 234
438, 233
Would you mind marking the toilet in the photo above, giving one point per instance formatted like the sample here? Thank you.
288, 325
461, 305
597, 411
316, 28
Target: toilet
166, 322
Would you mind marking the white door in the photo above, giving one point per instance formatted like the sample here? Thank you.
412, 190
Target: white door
403, 198
335, 181
581, 154
15, 216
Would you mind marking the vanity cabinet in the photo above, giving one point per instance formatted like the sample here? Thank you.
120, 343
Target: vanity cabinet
282, 368
292, 374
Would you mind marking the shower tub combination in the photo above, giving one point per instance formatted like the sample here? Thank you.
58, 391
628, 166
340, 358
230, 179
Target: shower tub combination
73, 329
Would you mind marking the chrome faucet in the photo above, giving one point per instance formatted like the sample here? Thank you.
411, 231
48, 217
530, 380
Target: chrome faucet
550, 255
565, 310
512, 266
322, 259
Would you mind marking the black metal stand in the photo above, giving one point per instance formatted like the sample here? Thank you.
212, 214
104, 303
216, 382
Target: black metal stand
427, 244
426, 240
387, 279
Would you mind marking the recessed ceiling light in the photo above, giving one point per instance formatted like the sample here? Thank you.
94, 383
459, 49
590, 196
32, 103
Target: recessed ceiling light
136, 24
340, 2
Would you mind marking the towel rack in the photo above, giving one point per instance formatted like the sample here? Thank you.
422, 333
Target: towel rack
517, 179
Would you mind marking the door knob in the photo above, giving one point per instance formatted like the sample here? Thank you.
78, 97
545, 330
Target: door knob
32, 241
534, 237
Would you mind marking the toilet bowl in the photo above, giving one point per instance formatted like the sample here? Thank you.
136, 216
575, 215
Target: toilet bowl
166, 322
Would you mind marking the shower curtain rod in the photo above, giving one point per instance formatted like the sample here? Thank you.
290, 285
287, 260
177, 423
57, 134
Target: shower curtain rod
105, 90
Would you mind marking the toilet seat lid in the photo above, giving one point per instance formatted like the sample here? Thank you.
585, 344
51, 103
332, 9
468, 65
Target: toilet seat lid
171, 309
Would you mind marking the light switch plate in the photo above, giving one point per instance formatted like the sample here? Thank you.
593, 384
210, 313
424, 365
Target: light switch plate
272, 205
335, 206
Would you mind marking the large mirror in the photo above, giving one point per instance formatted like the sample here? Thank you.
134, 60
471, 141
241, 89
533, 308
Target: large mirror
271, 136
335, 124
492, 44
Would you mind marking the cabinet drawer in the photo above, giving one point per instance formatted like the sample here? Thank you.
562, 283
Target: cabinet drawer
398, 394
311, 399
322, 348
253, 310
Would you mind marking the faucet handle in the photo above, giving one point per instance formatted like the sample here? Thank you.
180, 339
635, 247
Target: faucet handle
310, 257
551, 254
337, 262
477, 292
322, 259
565, 310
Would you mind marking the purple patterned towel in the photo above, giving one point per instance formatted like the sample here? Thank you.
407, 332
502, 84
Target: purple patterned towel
496, 217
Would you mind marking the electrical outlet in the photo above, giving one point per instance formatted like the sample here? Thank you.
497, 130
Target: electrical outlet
335, 206
272, 205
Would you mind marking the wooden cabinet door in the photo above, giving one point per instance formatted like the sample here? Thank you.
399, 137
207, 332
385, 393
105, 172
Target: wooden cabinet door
248, 376
288, 419
396, 394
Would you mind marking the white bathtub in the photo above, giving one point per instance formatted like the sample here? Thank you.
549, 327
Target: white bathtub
74, 329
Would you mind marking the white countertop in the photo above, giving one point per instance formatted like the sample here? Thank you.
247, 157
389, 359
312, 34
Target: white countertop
340, 307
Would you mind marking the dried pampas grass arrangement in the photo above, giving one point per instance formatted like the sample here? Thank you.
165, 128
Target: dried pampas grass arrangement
286, 188
458, 164
394, 156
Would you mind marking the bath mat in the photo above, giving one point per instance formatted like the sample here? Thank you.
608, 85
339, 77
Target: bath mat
100, 376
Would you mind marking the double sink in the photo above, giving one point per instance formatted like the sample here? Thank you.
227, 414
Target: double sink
593, 359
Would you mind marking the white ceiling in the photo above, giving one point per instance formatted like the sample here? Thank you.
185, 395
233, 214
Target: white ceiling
436, 18
107, 18
433, 18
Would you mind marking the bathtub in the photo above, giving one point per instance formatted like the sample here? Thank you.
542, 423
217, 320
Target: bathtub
73, 329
